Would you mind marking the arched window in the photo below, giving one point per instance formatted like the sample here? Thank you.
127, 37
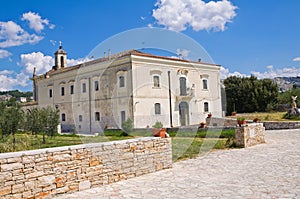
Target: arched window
122, 81
96, 85
156, 81
205, 85
206, 109
62, 91
182, 83
71, 89
97, 116
123, 116
62, 63
63, 117
157, 109
83, 87
50, 93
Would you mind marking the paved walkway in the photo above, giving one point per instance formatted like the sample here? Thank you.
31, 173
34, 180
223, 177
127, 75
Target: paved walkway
270, 170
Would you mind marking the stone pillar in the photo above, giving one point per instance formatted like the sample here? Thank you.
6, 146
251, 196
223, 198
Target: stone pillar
249, 135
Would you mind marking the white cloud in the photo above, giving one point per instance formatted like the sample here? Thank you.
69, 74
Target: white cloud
182, 52
11, 34
179, 14
4, 53
272, 73
6, 72
296, 59
41, 62
73, 62
150, 25
36, 22
224, 73
53, 42
9, 80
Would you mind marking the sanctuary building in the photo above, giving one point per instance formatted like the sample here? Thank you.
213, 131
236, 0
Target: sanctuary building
146, 88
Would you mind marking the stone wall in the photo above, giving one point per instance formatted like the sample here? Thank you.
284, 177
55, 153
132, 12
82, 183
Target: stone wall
250, 135
230, 122
281, 125
48, 172
220, 122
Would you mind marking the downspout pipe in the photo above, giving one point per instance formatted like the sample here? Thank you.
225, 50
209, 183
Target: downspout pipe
170, 100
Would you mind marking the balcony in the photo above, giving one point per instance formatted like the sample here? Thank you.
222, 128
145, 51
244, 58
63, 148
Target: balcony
185, 94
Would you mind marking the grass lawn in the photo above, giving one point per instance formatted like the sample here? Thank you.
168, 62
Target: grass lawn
26, 141
184, 144
184, 147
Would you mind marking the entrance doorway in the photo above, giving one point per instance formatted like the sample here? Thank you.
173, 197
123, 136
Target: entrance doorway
184, 113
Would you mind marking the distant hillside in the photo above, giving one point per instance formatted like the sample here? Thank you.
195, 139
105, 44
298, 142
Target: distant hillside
287, 83
17, 94
292, 80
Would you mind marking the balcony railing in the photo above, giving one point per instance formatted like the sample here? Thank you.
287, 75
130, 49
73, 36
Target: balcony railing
187, 93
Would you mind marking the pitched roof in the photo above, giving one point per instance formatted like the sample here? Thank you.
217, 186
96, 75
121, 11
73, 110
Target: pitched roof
116, 56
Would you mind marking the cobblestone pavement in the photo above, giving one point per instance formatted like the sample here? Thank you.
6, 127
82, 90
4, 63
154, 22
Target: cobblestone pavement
270, 170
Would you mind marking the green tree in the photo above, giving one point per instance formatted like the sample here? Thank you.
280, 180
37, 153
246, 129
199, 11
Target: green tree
43, 121
10, 120
2, 108
52, 121
127, 125
286, 97
248, 94
32, 120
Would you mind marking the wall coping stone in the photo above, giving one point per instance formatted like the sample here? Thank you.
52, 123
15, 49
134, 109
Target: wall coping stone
74, 147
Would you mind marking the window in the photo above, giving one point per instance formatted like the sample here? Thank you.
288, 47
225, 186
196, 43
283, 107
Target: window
83, 87
50, 93
72, 89
62, 62
122, 81
157, 108
156, 81
63, 117
96, 84
123, 116
80, 118
205, 86
182, 83
206, 107
97, 116
62, 91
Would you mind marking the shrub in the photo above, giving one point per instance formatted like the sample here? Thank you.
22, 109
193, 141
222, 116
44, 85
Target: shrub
127, 125
241, 119
158, 125
291, 117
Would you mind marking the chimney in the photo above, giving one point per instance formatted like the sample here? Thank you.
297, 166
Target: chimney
34, 72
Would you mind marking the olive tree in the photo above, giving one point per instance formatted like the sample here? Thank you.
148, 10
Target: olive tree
11, 118
42, 120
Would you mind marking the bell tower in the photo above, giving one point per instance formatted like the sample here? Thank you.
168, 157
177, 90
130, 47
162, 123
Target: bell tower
60, 58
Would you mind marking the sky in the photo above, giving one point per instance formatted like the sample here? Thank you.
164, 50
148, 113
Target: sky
244, 36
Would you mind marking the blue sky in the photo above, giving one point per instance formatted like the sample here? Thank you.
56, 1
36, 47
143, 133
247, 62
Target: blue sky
244, 36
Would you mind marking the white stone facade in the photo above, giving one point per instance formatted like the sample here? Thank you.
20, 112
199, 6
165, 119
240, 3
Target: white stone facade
146, 88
